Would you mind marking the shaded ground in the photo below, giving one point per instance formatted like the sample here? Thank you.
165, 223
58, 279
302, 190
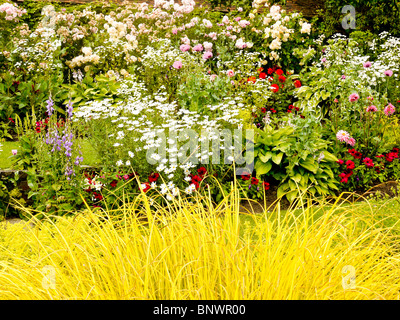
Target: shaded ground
384, 190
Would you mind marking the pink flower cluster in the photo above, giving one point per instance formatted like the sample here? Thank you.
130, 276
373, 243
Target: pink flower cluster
354, 97
12, 12
389, 109
344, 136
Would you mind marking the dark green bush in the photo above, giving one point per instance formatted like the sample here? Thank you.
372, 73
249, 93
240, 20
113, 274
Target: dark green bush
371, 15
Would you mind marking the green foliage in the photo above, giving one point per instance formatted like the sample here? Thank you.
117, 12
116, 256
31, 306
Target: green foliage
91, 89
199, 90
296, 157
371, 15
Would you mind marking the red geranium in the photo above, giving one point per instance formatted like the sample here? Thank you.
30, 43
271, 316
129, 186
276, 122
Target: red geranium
275, 88
202, 171
254, 180
350, 165
391, 156
196, 178
245, 176
97, 196
251, 79
154, 177
262, 75
270, 71
355, 154
297, 83
345, 176
368, 163
147, 187
279, 72
282, 79
196, 184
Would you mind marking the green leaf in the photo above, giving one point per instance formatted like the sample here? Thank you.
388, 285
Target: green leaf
264, 158
56, 186
325, 95
262, 168
277, 158
309, 165
329, 157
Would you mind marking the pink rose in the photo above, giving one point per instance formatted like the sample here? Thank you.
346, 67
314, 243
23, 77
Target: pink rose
197, 47
388, 73
354, 97
230, 73
207, 55
177, 65
184, 47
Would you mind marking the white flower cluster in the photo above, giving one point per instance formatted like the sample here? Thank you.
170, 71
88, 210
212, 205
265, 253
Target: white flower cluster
80, 60
277, 30
142, 120
37, 52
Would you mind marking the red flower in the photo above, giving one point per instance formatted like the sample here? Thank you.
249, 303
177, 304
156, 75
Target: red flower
97, 196
355, 154
202, 171
254, 180
265, 185
297, 83
291, 107
368, 163
251, 79
270, 71
380, 156
260, 69
350, 165
391, 156
146, 188
340, 161
279, 72
11, 119
114, 183
262, 75
297, 108
245, 176
396, 150
263, 110
154, 177
301, 116
273, 110
282, 79
275, 88
196, 184
196, 178
344, 178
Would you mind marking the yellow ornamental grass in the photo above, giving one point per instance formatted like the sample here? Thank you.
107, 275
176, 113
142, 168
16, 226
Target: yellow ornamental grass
194, 250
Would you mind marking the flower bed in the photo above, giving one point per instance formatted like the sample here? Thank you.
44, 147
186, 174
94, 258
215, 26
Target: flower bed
176, 100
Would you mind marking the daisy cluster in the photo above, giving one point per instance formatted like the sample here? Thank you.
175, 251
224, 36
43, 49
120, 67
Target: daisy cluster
149, 127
